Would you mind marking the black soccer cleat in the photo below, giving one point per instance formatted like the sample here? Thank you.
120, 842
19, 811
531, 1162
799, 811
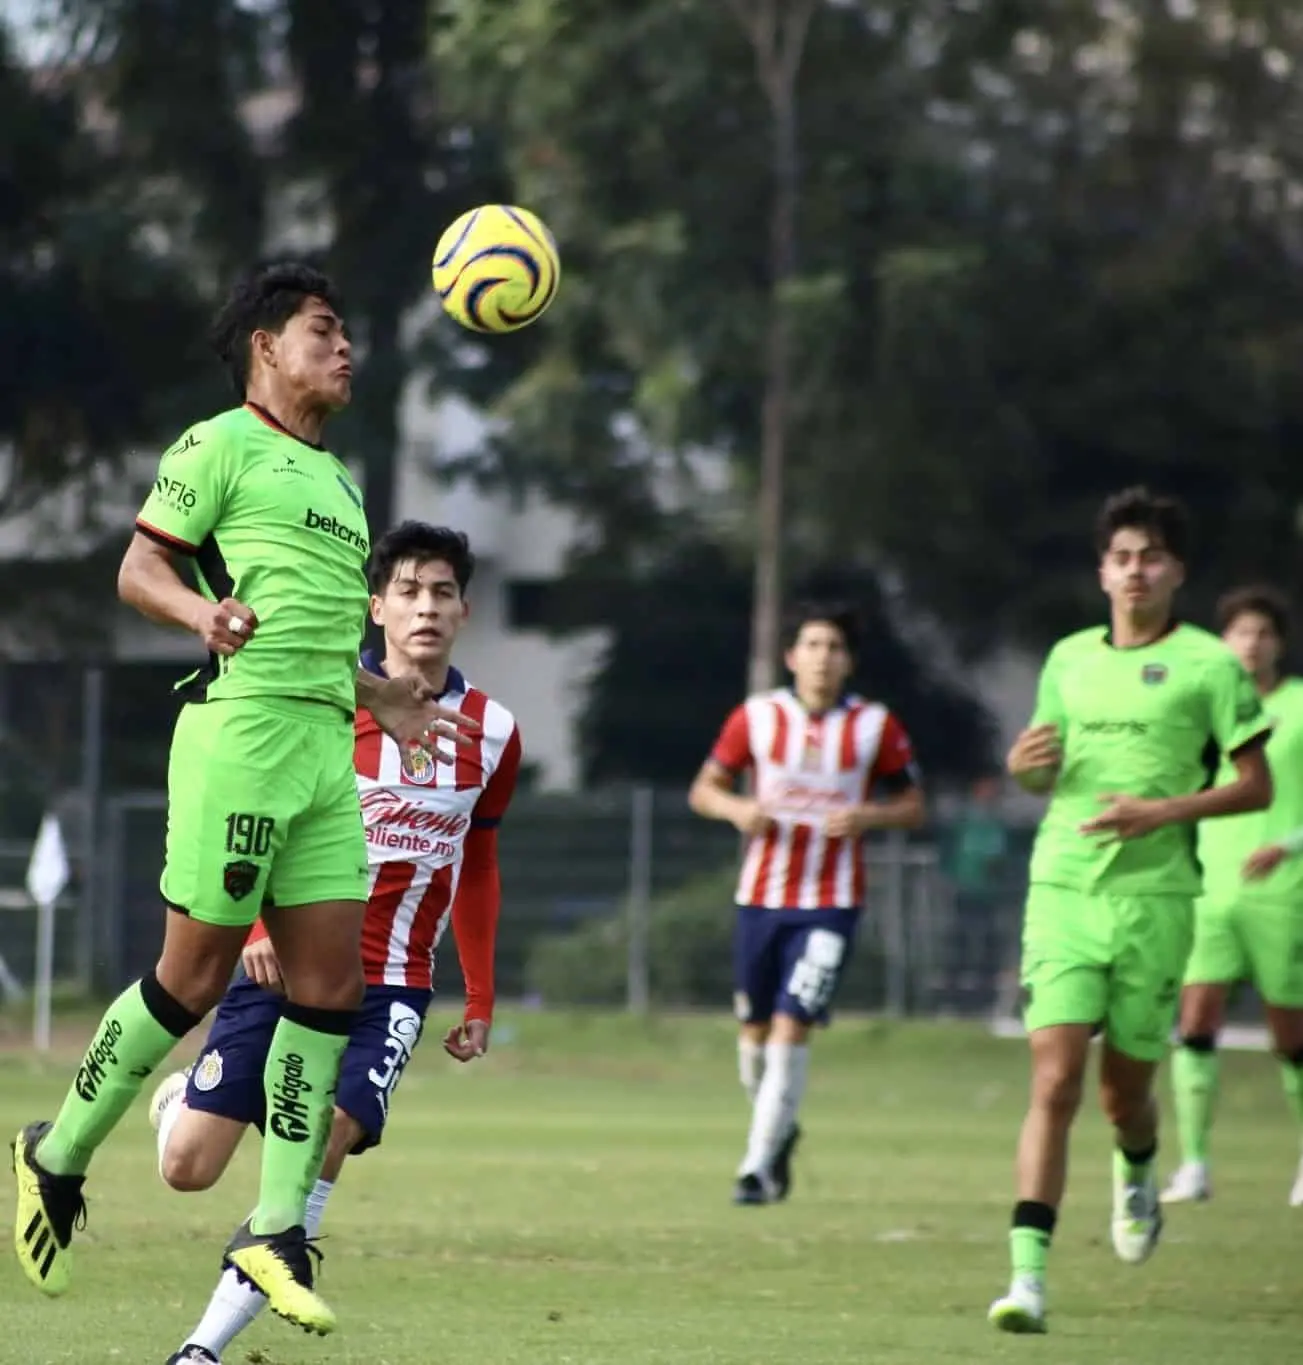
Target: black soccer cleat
49, 1208
193, 1355
781, 1173
750, 1189
280, 1267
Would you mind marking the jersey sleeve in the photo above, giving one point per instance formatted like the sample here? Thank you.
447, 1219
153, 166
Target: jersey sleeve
475, 920
732, 750
895, 768
1049, 702
1237, 717
190, 491
500, 788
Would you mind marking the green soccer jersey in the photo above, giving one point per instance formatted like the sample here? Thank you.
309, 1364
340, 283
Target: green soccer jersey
278, 525
1152, 722
1224, 844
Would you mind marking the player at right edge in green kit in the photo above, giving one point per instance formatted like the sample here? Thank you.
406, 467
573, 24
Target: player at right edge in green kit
263, 812
1249, 924
1130, 723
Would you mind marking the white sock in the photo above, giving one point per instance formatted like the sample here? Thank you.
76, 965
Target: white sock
166, 1122
317, 1206
235, 1305
786, 1067
750, 1065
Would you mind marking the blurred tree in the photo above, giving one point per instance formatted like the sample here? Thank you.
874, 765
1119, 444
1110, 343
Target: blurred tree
85, 296
1047, 250
677, 665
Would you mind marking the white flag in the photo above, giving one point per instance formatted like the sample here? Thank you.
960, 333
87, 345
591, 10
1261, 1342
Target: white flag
47, 873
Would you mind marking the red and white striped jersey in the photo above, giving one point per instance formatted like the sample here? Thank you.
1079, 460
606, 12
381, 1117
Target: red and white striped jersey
805, 766
419, 819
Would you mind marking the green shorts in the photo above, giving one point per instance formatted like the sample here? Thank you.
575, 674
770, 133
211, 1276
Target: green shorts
1249, 939
262, 805
1112, 961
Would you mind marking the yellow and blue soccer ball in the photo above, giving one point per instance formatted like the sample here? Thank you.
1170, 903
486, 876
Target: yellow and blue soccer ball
496, 268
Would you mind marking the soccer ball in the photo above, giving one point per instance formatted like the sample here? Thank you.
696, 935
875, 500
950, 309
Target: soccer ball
496, 268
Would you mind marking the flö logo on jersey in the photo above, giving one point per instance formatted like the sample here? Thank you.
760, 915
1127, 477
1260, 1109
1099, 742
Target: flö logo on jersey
1153, 674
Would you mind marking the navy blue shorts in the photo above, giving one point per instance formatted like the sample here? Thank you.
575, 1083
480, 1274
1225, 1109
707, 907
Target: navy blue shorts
789, 961
227, 1078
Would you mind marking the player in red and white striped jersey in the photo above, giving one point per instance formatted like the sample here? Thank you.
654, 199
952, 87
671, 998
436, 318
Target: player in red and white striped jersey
827, 767
431, 834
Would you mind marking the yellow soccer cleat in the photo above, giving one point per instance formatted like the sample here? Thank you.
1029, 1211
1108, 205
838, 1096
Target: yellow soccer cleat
49, 1208
279, 1266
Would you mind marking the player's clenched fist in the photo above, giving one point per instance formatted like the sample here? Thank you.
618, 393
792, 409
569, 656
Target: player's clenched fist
225, 626
1035, 757
750, 819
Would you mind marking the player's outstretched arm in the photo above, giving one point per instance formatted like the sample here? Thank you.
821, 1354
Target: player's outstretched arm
148, 581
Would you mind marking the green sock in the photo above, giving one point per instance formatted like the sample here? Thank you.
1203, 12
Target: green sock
1194, 1089
299, 1082
1029, 1238
1029, 1248
1292, 1078
129, 1044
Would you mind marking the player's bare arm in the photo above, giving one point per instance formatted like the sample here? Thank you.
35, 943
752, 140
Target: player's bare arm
713, 797
1132, 817
1035, 758
148, 580
405, 709
902, 810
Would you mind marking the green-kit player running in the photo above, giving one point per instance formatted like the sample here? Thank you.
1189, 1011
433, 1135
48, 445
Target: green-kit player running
263, 811
1129, 725
1246, 930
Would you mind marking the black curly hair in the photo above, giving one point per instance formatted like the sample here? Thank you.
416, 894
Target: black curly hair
264, 299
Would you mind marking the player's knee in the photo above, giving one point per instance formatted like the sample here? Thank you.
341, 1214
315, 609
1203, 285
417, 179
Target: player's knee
1057, 1086
339, 988
187, 1168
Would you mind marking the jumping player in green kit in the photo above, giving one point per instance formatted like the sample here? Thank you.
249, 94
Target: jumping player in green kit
1130, 723
1249, 924
263, 812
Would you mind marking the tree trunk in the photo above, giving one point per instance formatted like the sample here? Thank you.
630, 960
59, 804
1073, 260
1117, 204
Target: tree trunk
777, 30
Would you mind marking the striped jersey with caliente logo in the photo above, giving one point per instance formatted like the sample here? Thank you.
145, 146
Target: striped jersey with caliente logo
806, 766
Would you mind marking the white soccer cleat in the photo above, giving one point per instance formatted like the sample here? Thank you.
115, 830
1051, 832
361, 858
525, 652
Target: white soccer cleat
1137, 1214
1296, 1194
168, 1091
1022, 1310
1190, 1183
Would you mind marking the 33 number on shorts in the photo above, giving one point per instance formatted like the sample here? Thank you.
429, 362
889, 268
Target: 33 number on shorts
249, 836
814, 978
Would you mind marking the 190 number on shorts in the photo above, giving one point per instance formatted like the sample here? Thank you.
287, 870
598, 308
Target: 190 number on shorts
249, 836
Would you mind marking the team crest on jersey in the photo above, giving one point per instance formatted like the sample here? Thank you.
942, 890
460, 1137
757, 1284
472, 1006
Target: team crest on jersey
208, 1072
239, 878
1153, 674
418, 766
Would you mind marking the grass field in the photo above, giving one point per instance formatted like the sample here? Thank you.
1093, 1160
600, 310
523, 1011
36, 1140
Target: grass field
565, 1202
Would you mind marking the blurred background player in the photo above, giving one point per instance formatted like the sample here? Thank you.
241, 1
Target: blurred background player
1134, 708
1246, 930
819, 756
432, 849
262, 806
